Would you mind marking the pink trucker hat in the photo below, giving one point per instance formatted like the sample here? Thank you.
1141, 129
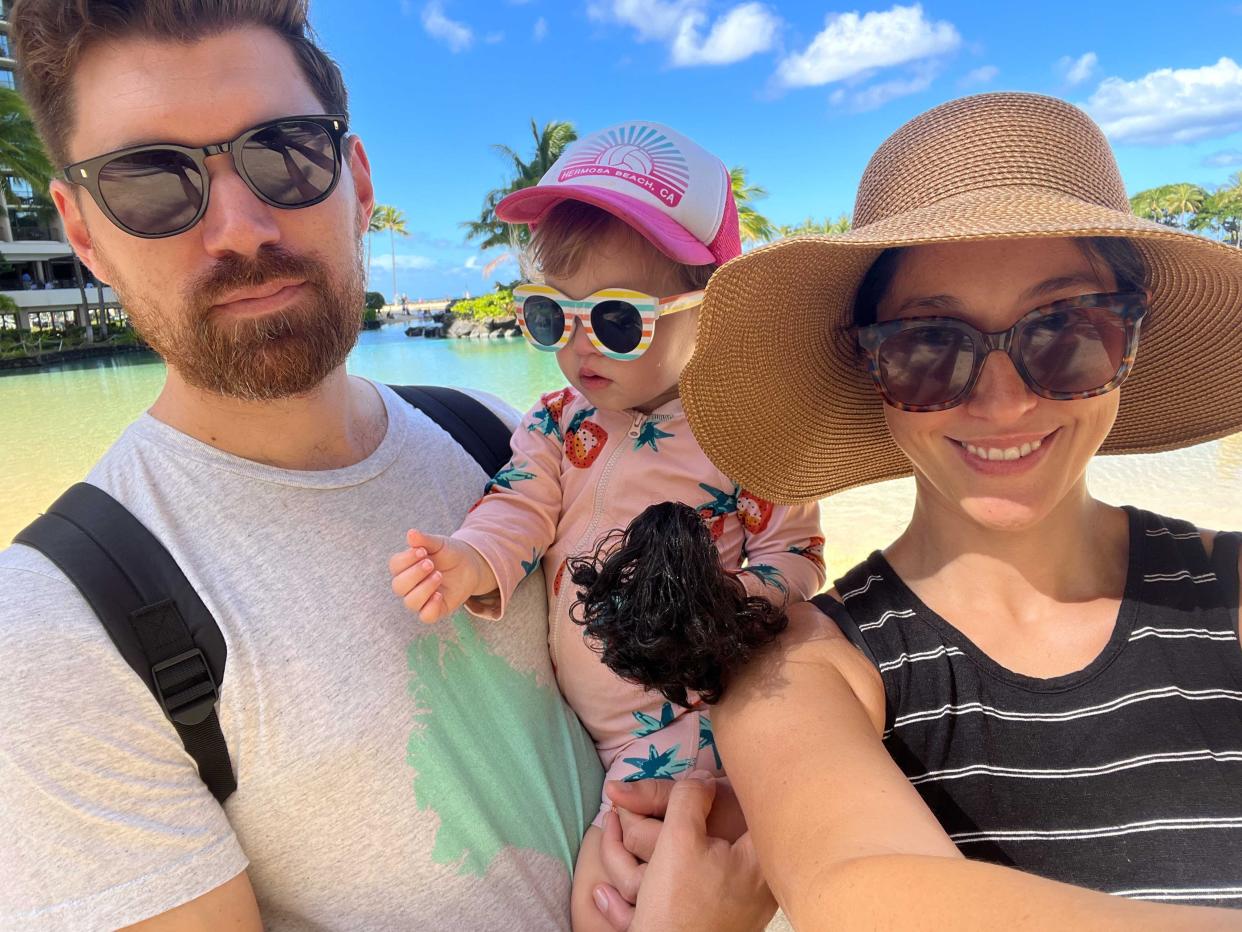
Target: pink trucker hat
669, 188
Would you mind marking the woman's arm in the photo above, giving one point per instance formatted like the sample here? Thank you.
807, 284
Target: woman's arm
844, 840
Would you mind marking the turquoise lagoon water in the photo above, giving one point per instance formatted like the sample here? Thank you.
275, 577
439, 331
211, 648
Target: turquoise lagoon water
58, 421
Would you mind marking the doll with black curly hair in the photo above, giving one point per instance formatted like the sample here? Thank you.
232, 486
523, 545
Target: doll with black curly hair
662, 610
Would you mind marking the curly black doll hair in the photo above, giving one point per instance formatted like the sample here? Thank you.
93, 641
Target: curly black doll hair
662, 610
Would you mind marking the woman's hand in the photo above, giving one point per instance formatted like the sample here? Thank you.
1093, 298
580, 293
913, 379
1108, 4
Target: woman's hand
692, 881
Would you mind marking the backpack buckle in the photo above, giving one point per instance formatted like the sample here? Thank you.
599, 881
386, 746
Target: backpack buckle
185, 688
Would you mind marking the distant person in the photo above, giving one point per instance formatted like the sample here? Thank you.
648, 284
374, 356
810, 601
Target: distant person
27, 281
1031, 699
622, 270
390, 775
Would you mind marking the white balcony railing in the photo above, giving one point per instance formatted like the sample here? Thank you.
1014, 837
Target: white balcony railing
58, 299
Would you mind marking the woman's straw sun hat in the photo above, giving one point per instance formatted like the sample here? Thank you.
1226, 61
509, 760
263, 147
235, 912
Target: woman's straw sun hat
776, 394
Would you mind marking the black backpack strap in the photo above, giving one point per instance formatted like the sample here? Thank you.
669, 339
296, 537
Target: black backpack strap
845, 621
150, 611
474, 425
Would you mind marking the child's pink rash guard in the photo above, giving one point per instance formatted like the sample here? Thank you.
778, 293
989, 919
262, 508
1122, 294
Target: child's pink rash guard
579, 472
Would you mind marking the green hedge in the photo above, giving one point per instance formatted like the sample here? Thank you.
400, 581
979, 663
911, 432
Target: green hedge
496, 304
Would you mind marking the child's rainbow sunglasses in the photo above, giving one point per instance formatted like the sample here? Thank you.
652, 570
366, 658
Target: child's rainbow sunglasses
619, 322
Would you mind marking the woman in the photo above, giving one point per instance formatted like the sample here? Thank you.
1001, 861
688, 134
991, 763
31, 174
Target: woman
1030, 698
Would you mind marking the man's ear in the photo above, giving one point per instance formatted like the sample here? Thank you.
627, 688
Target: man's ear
360, 170
68, 203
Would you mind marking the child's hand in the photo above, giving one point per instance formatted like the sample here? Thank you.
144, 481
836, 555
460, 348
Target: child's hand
437, 574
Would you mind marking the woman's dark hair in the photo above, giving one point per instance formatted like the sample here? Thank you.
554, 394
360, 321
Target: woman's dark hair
662, 610
1116, 253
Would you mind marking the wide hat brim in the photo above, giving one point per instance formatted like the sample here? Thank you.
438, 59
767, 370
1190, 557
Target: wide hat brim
778, 398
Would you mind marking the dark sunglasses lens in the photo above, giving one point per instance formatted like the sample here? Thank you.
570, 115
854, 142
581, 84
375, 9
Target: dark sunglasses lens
926, 365
292, 163
618, 325
545, 321
153, 192
1078, 350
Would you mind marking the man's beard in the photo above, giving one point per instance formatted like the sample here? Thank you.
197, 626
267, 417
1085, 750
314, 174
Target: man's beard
254, 358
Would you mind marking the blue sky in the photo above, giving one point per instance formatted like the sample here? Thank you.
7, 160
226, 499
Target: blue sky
799, 93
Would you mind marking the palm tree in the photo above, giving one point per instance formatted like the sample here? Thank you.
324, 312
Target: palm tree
389, 218
755, 226
550, 142
811, 225
1183, 201
22, 156
1150, 204
1221, 212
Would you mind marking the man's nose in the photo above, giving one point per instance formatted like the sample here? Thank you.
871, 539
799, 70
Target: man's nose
236, 220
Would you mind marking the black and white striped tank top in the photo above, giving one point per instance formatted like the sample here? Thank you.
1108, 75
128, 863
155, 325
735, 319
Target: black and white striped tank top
1125, 776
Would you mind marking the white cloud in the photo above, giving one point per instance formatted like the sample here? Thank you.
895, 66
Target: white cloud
877, 95
494, 38
404, 261
1076, 70
457, 36
982, 75
653, 19
852, 44
740, 32
541, 29
471, 263
1226, 158
1171, 105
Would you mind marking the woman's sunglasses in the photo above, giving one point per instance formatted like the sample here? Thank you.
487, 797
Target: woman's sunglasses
1076, 348
162, 189
619, 323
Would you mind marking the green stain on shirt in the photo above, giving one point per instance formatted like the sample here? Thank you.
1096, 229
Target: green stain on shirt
500, 759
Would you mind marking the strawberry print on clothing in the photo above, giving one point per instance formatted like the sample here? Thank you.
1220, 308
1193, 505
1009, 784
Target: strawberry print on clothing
813, 551
548, 417
714, 522
753, 511
584, 440
560, 574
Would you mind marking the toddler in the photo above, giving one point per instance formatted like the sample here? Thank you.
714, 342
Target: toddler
627, 227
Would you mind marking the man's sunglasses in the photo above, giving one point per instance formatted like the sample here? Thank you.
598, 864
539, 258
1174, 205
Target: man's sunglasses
162, 189
619, 323
1076, 348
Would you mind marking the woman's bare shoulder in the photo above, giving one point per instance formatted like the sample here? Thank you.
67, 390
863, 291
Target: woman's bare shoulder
814, 646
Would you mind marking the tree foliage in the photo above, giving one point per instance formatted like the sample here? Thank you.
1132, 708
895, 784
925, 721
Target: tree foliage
498, 303
22, 155
811, 225
524, 172
1186, 206
755, 226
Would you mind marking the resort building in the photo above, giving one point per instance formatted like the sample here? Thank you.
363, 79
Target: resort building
38, 271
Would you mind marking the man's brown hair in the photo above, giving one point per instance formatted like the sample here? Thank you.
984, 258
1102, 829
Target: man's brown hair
50, 37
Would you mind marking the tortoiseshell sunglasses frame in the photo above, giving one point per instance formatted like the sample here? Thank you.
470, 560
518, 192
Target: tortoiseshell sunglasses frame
1130, 306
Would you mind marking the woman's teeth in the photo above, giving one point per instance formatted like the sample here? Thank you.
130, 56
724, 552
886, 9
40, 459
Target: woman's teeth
1008, 453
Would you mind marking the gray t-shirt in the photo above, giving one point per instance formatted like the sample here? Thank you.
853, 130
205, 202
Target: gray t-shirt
391, 774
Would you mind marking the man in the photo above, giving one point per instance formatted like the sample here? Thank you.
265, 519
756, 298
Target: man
390, 775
